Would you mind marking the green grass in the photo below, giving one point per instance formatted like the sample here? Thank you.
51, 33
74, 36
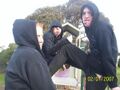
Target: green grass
118, 75
1, 79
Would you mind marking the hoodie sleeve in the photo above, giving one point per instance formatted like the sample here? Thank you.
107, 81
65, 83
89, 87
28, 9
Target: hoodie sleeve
38, 73
58, 45
105, 46
48, 42
49, 45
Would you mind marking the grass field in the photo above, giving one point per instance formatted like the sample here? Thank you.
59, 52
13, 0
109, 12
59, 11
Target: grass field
1, 79
118, 75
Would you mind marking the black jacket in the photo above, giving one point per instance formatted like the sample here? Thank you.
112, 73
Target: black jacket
52, 44
102, 43
27, 69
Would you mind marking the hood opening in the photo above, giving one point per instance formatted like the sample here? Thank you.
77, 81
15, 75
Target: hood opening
93, 8
56, 23
24, 32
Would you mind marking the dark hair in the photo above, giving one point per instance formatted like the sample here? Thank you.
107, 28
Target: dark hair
93, 8
94, 11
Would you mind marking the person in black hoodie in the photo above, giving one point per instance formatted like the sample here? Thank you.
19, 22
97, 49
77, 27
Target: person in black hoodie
100, 63
27, 69
53, 42
103, 45
51, 38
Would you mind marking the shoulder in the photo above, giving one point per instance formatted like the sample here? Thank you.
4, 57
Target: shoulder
31, 55
25, 52
22, 55
25, 57
104, 27
48, 34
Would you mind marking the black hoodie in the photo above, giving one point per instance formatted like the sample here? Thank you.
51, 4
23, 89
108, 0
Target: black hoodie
51, 43
102, 43
27, 69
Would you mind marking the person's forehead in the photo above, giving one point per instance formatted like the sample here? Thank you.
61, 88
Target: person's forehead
39, 24
56, 27
39, 29
86, 9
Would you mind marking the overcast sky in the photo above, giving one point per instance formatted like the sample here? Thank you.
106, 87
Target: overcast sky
13, 9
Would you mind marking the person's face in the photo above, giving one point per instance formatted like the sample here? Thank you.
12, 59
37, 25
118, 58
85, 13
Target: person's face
57, 31
39, 30
87, 17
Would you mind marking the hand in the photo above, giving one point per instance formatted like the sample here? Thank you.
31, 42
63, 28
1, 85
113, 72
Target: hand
65, 66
